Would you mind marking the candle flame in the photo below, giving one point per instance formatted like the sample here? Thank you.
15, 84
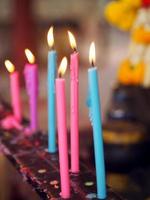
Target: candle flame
50, 37
92, 54
30, 56
9, 66
63, 66
72, 41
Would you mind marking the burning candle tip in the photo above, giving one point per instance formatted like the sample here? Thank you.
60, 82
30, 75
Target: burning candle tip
9, 66
50, 37
92, 54
30, 56
62, 67
72, 41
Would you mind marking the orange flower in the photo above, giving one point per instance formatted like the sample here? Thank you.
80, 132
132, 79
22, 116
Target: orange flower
131, 75
141, 35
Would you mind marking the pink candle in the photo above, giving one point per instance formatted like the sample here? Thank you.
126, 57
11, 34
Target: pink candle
62, 132
31, 80
15, 90
15, 95
74, 68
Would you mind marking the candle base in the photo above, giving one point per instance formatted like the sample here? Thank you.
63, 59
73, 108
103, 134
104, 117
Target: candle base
10, 122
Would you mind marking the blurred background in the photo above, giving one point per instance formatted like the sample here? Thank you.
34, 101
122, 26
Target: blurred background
25, 23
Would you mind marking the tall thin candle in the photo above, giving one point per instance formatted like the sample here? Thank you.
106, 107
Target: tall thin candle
31, 80
62, 131
74, 114
51, 75
15, 90
97, 125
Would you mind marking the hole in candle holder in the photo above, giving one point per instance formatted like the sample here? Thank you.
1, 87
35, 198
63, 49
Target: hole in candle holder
89, 183
54, 182
91, 196
41, 171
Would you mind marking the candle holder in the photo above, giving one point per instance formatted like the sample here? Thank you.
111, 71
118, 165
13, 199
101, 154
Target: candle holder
29, 155
41, 169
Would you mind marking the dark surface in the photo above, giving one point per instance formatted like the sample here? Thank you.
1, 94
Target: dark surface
41, 169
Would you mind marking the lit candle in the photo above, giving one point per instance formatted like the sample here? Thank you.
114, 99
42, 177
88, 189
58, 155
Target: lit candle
74, 91
31, 80
62, 130
95, 116
15, 90
52, 56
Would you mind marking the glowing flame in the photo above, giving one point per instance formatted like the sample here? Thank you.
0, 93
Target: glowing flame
62, 67
10, 67
92, 54
30, 56
72, 41
50, 37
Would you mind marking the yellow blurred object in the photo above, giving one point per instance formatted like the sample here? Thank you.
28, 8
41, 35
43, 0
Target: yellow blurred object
122, 13
133, 3
127, 21
113, 12
138, 74
123, 73
131, 75
141, 35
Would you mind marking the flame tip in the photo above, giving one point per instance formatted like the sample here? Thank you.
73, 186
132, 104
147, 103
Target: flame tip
9, 66
51, 29
72, 40
63, 66
50, 37
29, 55
92, 54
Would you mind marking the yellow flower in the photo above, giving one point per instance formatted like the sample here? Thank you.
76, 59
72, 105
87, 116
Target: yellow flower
113, 12
133, 3
127, 21
122, 13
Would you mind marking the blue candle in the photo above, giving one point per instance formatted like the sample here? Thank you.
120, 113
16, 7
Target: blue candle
95, 117
52, 57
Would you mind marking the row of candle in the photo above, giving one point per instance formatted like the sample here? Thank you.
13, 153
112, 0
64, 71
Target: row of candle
57, 95
31, 80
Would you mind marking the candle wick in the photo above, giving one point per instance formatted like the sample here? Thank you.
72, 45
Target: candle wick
92, 63
60, 75
75, 50
52, 48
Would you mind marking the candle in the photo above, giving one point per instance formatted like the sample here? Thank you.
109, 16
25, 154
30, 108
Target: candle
52, 56
62, 131
95, 115
31, 80
15, 90
74, 91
